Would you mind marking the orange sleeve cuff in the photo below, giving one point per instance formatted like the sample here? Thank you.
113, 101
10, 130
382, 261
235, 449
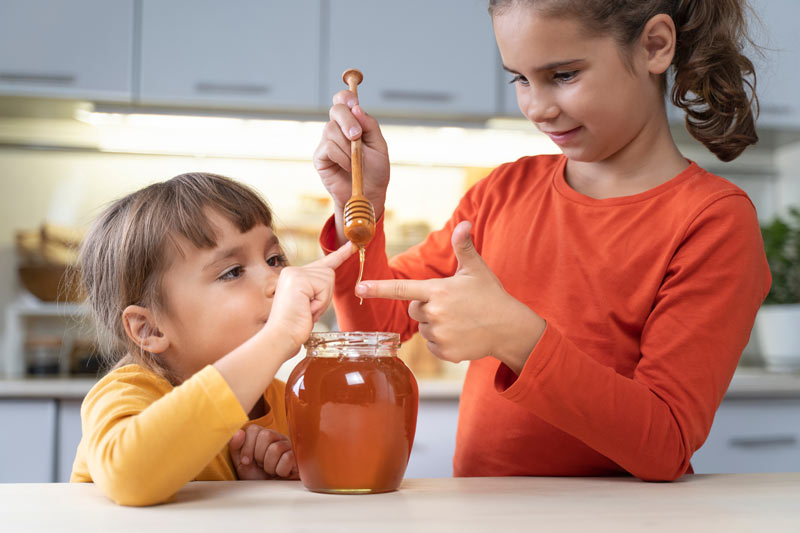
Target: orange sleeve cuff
515, 388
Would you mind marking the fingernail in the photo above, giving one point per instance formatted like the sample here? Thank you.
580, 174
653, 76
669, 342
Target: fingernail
355, 131
245, 460
352, 103
361, 288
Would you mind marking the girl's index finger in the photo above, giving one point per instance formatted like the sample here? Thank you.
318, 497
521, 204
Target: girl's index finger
334, 259
395, 289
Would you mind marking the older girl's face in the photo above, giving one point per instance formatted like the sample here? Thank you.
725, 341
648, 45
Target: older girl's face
216, 299
575, 88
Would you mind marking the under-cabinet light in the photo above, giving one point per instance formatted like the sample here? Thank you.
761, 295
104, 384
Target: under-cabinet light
215, 136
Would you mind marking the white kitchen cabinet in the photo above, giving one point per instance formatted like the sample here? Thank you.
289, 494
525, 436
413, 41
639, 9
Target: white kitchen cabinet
75, 49
435, 440
752, 435
779, 70
241, 53
28, 441
418, 57
69, 435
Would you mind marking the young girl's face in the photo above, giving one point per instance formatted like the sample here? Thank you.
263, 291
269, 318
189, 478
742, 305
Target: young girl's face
576, 89
215, 299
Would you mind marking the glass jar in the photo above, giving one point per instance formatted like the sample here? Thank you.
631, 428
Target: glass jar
352, 409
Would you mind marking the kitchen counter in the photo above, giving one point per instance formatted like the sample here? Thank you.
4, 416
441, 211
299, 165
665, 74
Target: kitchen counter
748, 382
722, 502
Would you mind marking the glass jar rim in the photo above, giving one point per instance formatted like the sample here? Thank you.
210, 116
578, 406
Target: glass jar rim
353, 342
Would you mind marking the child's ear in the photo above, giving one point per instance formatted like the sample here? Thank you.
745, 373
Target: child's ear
140, 325
658, 39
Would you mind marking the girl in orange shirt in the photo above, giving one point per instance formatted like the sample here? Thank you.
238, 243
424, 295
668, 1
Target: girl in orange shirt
603, 296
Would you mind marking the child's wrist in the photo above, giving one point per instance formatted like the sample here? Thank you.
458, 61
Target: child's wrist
519, 340
278, 343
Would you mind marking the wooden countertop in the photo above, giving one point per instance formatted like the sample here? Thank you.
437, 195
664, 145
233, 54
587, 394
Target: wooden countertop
721, 502
747, 383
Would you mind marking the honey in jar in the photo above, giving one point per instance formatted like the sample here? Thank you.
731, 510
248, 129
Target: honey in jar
352, 409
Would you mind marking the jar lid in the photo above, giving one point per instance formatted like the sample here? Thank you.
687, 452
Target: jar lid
353, 343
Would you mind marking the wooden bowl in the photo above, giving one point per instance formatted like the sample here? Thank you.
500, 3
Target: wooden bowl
49, 283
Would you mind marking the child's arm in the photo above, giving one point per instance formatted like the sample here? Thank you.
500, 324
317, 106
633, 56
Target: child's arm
144, 440
652, 422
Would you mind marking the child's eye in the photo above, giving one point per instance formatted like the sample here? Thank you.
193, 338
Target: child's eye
231, 273
277, 260
565, 76
518, 78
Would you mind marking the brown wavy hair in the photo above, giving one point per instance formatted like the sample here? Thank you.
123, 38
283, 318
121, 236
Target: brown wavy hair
714, 82
127, 249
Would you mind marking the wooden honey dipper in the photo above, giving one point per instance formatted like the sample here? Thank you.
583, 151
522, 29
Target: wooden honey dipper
359, 214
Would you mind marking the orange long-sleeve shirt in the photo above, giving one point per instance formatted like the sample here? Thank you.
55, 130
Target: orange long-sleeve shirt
143, 439
649, 301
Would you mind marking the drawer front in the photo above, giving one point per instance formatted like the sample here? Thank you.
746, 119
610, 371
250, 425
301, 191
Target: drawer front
435, 440
752, 436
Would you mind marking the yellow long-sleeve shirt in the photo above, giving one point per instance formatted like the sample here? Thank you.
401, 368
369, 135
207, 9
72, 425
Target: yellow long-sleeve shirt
143, 439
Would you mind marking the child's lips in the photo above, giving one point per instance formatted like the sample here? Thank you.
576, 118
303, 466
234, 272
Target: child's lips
561, 137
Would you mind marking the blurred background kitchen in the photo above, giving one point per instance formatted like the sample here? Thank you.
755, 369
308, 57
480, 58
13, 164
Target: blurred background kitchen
101, 97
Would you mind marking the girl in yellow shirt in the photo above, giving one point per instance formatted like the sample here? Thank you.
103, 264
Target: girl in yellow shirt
196, 310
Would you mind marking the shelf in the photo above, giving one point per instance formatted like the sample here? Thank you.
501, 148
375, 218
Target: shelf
27, 305
21, 316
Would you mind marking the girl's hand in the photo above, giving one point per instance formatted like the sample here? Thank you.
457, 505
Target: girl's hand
302, 295
261, 453
332, 156
466, 316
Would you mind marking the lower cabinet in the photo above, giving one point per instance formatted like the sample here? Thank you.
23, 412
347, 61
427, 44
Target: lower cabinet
69, 435
28, 440
752, 435
435, 440
39, 439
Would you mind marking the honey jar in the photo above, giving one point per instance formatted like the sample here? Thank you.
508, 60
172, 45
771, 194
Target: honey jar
352, 410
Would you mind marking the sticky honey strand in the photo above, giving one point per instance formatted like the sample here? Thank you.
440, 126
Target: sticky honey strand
360, 271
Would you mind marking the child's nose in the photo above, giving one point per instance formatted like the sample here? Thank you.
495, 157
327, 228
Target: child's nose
269, 281
539, 107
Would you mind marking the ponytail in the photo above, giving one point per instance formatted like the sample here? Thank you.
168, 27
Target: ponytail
714, 82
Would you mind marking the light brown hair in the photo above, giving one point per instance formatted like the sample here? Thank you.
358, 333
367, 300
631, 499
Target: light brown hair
127, 249
714, 81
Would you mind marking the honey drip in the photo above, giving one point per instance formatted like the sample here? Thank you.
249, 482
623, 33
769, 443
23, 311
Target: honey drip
360, 271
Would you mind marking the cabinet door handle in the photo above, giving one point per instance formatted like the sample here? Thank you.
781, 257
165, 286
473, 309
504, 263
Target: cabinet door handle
770, 441
775, 109
40, 79
416, 96
230, 88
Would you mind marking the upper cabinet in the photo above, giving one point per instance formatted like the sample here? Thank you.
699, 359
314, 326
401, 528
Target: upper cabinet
74, 49
418, 57
778, 71
239, 53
